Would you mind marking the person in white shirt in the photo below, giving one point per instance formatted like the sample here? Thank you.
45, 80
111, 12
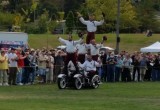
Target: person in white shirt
81, 52
71, 68
70, 50
13, 67
126, 75
49, 68
94, 49
90, 66
91, 26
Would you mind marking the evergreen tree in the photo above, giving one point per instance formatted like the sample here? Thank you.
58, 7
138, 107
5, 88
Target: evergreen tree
70, 22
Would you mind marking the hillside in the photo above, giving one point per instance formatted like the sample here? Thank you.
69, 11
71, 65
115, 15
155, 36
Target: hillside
129, 42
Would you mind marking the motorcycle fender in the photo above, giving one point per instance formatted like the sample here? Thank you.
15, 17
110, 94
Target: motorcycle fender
61, 75
77, 75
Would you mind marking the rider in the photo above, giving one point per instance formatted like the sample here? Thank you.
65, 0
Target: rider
90, 66
71, 68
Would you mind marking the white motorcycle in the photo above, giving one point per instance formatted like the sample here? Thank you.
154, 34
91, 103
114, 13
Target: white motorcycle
83, 80
67, 80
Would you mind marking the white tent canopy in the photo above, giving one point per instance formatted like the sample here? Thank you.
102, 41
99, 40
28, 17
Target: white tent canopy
152, 48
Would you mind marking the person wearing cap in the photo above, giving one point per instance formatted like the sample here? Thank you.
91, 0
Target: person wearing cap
70, 50
13, 66
3, 69
91, 26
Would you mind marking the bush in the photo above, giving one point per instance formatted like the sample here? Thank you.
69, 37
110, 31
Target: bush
31, 28
6, 18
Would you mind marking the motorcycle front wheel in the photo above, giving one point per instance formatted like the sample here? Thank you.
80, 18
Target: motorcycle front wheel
78, 83
62, 83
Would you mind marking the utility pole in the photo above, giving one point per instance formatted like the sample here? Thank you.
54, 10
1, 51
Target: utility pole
117, 28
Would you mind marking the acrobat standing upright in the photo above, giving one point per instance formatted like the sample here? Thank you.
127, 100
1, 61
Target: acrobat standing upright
91, 25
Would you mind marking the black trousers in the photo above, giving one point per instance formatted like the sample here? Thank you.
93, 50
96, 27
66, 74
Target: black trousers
12, 75
126, 76
134, 72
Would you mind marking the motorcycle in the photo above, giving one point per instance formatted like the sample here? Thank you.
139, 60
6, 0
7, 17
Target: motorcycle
83, 80
67, 80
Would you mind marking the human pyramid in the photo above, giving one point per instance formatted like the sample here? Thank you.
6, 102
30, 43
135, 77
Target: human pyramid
86, 54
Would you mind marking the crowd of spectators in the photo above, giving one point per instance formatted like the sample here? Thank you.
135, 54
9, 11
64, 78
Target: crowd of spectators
19, 66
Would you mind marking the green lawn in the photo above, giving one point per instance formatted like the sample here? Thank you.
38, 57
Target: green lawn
109, 96
129, 42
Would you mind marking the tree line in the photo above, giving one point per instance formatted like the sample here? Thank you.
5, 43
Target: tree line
41, 16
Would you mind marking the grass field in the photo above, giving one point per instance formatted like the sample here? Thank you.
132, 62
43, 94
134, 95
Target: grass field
129, 42
109, 96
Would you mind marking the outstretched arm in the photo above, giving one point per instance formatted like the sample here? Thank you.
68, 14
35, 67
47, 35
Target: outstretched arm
81, 18
62, 40
98, 23
78, 41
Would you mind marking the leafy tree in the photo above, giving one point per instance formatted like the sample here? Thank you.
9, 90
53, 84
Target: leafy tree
72, 5
15, 6
127, 14
146, 15
70, 22
43, 22
6, 18
50, 7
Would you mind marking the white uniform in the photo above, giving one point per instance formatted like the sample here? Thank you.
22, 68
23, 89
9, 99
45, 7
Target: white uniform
81, 48
94, 49
91, 25
89, 66
70, 45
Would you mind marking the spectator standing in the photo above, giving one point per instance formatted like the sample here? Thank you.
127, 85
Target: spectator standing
59, 62
3, 69
50, 67
42, 63
118, 68
27, 69
136, 66
156, 68
104, 58
13, 67
126, 75
143, 66
20, 62
111, 62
